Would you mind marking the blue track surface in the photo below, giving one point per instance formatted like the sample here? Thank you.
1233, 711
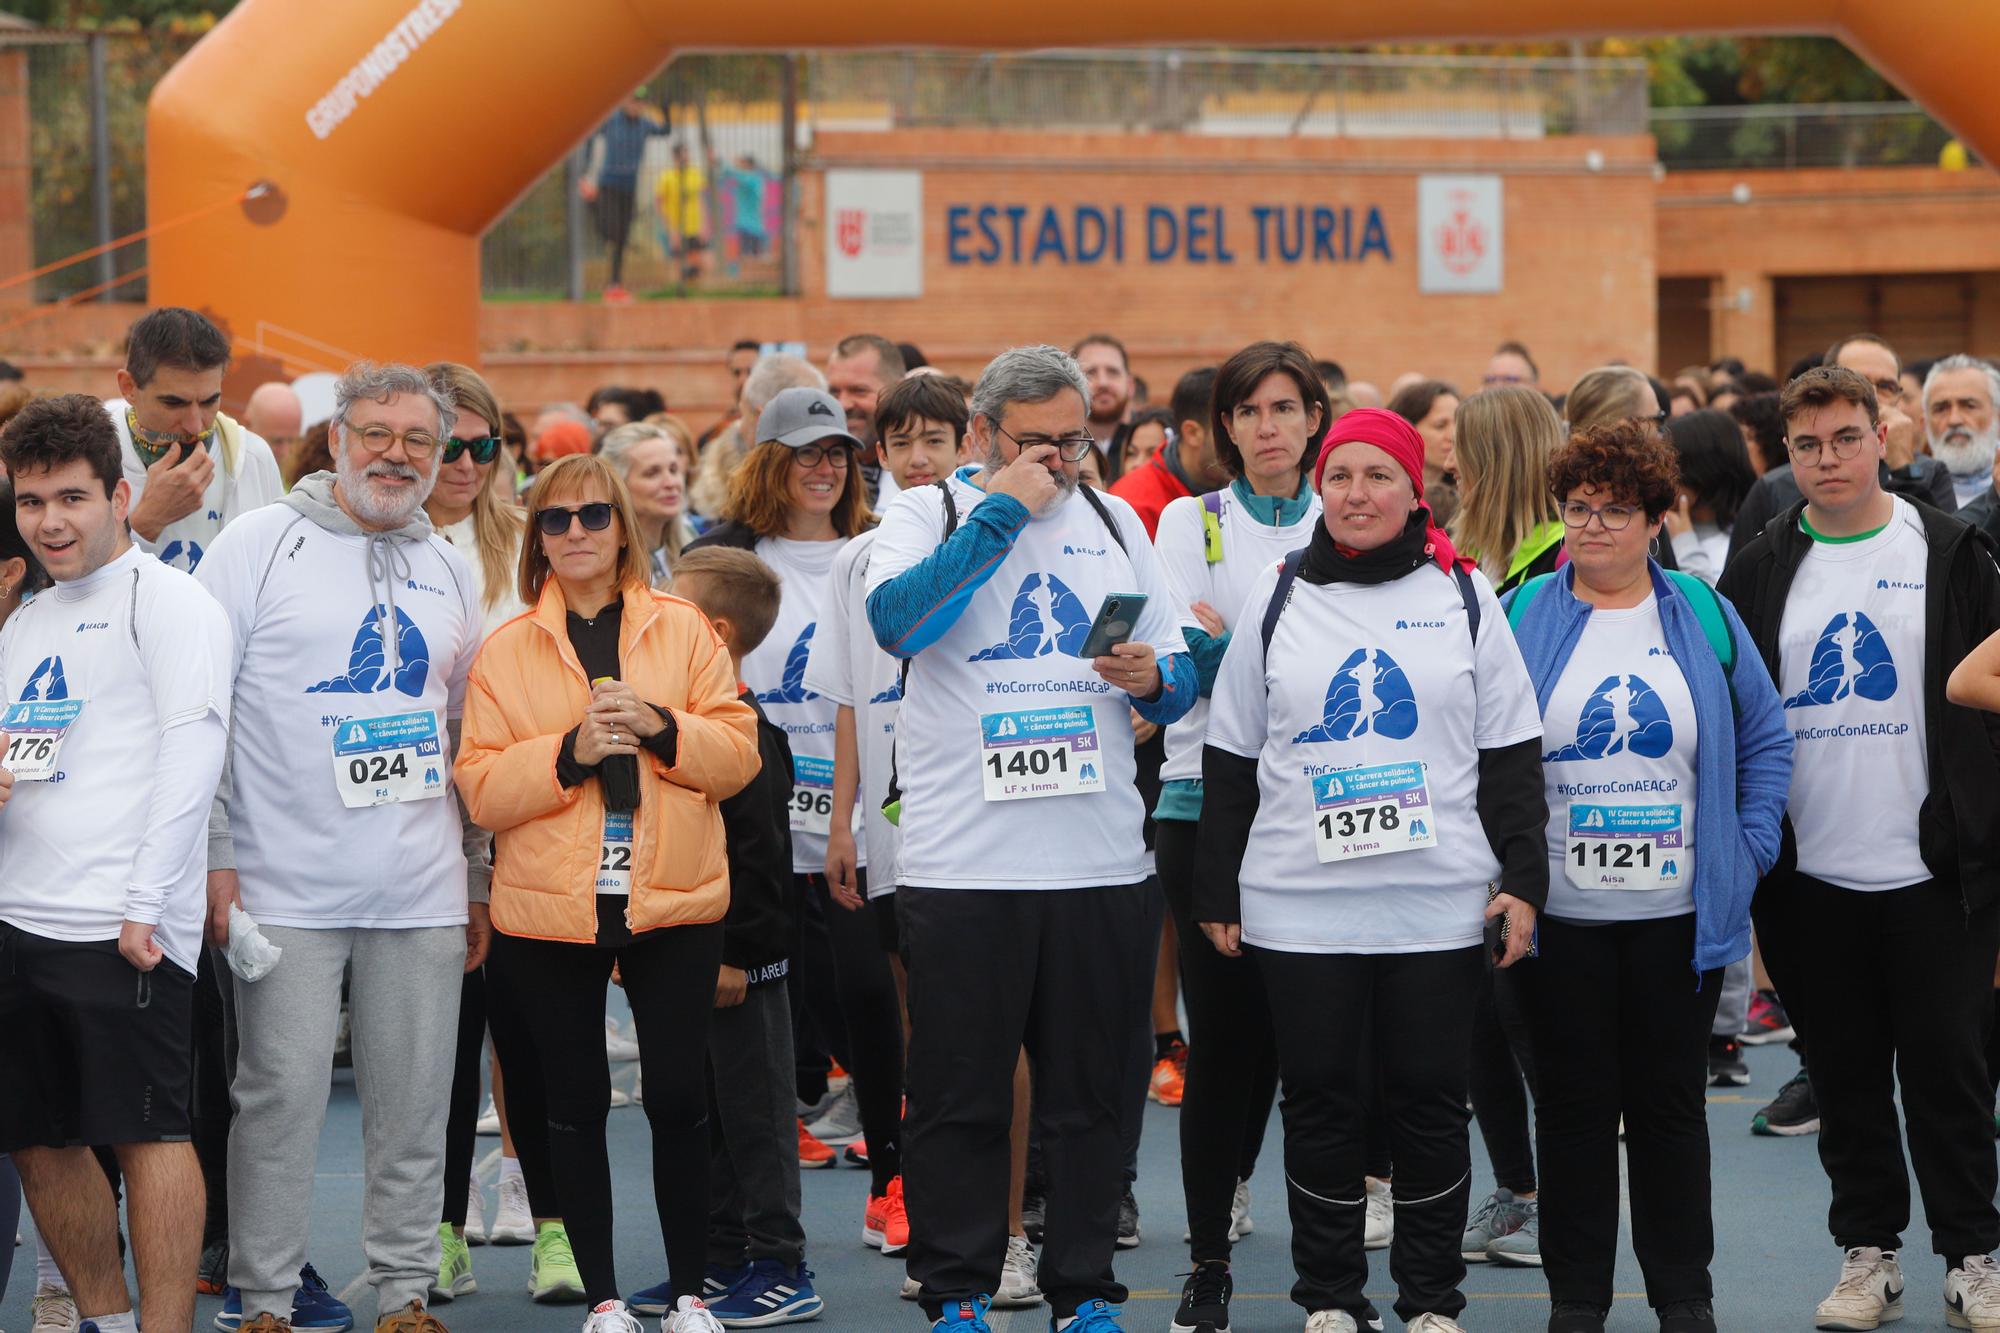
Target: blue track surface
1773, 1258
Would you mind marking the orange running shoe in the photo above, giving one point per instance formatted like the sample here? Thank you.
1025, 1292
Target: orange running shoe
812, 1153
837, 1078
1170, 1076
886, 1223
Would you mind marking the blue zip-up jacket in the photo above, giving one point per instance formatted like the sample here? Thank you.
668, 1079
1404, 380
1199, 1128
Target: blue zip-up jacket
1745, 750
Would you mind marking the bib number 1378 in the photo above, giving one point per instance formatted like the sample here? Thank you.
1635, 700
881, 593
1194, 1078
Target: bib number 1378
1360, 819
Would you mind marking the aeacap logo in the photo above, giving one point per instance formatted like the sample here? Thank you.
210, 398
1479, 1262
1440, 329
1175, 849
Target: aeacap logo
1851, 658
1622, 715
791, 685
368, 661
1047, 618
46, 682
181, 555
892, 695
1368, 694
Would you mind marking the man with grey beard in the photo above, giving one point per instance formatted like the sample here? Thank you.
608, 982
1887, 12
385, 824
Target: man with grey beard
338, 832
1959, 395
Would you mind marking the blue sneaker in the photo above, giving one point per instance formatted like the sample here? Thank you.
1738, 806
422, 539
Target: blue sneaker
1096, 1317
968, 1316
768, 1295
717, 1281
314, 1306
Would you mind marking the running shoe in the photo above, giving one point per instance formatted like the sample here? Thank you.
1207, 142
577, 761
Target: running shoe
1792, 1112
1432, 1323
619, 1049
54, 1310
1768, 1023
475, 1213
769, 1295
1128, 1221
314, 1306
837, 1078
488, 1124
211, 1274
552, 1275
1034, 1208
412, 1318
717, 1280
620, 1098
812, 1153
1020, 1284
1169, 1076
267, 1323
612, 1317
1240, 1224
840, 1123
1869, 1293
454, 1277
513, 1220
1205, 1301
1688, 1317
1325, 1321
1725, 1063
1096, 1317
1972, 1294
1380, 1226
1521, 1247
1576, 1317
885, 1224
1498, 1214
911, 1288
617, 294
856, 1153
690, 1315
965, 1317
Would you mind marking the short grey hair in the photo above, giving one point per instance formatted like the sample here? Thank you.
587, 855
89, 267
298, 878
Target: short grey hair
771, 376
618, 442
1960, 361
379, 381
1026, 375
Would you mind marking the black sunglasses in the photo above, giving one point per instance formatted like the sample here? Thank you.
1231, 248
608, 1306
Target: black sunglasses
482, 450
554, 521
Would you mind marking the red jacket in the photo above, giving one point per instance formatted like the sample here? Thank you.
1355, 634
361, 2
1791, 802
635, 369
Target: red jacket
1148, 491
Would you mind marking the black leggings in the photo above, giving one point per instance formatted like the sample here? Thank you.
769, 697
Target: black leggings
1232, 1071
845, 983
669, 978
1501, 1060
214, 1052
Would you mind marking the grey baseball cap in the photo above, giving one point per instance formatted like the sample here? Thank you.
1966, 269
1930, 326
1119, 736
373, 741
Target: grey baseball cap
801, 416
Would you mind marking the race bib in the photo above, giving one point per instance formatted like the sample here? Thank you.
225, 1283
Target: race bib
614, 854
382, 760
35, 732
1372, 811
1040, 752
812, 795
1625, 847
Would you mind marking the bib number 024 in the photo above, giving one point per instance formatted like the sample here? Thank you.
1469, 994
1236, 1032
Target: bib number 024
378, 768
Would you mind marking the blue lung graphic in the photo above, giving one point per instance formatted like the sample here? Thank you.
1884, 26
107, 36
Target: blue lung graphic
1851, 658
46, 681
892, 695
368, 661
1047, 618
791, 686
1368, 694
182, 555
1623, 715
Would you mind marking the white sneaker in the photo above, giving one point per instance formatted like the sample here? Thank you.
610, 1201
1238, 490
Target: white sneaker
489, 1120
1240, 1224
1972, 1295
689, 1315
1380, 1228
513, 1221
1432, 1323
620, 1097
1331, 1321
612, 1317
475, 1214
53, 1310
1869, 1293
911, 1288
841, 1122
619, 1049
1018, 1277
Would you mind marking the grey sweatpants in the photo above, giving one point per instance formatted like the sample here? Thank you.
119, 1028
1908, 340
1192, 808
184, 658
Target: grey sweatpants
403, 1008
1732, 1012
753, 1173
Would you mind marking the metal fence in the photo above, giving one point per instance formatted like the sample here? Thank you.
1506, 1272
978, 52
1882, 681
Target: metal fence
1859, 134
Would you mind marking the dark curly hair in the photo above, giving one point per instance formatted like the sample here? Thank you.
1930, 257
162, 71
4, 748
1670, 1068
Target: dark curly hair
1627, 460
54, 432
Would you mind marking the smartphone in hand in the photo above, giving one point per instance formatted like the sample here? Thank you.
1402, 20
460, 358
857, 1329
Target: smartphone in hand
1114, 624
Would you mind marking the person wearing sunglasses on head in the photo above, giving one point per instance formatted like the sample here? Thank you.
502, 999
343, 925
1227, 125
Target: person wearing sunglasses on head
602, 731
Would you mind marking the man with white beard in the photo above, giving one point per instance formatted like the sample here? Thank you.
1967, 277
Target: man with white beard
337, 831
1959, 395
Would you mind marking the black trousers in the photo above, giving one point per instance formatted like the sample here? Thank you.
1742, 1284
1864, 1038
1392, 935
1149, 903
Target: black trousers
1068, 973
214, 1066
669, 978
845, 983
1501, 1077
1620, 1026
1414, 1007
1893, 988
461, 1130
1232, 1071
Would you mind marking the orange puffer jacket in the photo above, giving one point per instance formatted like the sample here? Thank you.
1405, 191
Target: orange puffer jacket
526, 691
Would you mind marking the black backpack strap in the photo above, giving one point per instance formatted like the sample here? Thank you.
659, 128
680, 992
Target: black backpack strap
950, 508
1470, 596
1281, 593
1104, 512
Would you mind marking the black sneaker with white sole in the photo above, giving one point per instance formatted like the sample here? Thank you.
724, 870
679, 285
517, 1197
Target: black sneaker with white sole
1205, 1299
1128, 1221
1726, 1068
1792, 1112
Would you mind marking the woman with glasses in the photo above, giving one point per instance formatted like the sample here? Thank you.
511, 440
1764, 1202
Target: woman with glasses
652, 459
795, 501
601, 731
1666, 764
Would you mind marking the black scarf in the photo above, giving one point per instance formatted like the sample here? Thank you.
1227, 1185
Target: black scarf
1327, 562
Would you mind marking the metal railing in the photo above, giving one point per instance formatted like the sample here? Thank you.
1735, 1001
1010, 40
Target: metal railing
1850, 134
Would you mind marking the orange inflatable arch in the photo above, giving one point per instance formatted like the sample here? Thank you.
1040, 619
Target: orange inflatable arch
392, 133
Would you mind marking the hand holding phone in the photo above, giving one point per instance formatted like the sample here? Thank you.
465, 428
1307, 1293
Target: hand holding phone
1116, 619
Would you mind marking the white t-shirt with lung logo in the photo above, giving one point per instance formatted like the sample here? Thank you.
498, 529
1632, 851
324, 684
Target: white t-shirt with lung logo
777, 672
1618, 747
849, 668
1011, 651
1851, 670
1361, 675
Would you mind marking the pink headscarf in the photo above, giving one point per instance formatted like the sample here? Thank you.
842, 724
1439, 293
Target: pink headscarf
1399, 439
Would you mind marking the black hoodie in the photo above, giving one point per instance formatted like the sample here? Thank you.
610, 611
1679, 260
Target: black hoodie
762, 927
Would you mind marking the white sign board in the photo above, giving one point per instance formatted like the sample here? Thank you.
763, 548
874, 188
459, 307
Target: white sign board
875, 233
1461, 244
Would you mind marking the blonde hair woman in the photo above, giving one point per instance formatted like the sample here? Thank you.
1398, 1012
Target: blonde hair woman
653, 457
473, 505
1506, 516
1610, 394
